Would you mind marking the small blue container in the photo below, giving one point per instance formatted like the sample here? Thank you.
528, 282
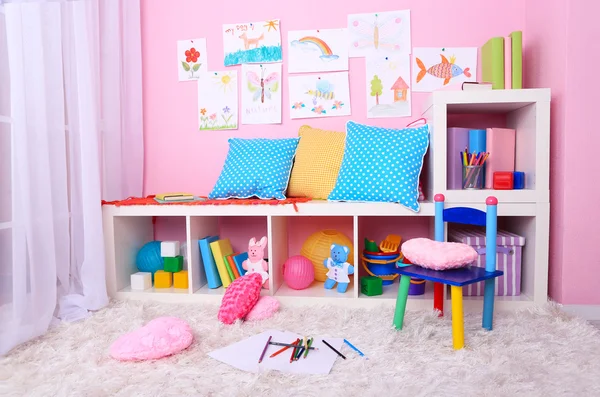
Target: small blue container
518, 180
380, 269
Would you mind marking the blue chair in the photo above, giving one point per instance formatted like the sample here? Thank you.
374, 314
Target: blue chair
457, 278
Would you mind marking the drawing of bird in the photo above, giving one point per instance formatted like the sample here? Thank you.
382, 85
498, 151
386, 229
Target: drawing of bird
443, 70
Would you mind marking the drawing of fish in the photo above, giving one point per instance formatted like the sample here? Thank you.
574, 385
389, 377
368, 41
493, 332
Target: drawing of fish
443, 70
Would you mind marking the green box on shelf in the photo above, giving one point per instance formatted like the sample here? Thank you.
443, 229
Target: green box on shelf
371, 285
173, 264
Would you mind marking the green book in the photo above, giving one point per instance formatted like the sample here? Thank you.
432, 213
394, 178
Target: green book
492, 63
517, 58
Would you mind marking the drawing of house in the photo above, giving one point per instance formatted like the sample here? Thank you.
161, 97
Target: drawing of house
400, 88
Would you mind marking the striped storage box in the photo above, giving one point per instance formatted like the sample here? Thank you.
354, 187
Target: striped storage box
508, 259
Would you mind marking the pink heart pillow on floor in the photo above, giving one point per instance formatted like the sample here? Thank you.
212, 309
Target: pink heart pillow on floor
159, 338
438, 255
240, 296
265, 308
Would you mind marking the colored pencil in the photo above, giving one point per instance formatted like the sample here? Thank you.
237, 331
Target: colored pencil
355, 349
287, 346
310, 341
333, 348
294, 350
300, 351
265, 349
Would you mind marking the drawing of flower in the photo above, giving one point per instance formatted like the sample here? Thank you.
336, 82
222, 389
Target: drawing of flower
318, 110
298, 105
226, 109
213, 116
203, 111
337, 105
191, 57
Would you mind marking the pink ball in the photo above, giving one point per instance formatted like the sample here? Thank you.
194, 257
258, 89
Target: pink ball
298, 272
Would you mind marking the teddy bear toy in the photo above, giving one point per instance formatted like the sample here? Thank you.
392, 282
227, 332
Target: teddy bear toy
256, 262
339, 268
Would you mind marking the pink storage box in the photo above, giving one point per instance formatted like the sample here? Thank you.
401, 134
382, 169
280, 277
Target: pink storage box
508, 259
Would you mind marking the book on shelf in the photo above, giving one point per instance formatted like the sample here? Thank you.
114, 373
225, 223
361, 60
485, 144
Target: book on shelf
458, 140
500, 143
232, 266
220, 249
239, 260
175, 196
507, 63
210, 267
492, 62
517, 59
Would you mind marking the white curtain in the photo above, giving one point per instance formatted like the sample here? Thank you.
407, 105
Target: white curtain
77, 138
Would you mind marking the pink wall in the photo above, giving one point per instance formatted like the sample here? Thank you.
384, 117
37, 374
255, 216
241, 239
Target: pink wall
558, 51
179, 157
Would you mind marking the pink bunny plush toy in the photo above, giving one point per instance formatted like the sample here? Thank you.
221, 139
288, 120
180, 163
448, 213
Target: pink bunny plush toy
256, 262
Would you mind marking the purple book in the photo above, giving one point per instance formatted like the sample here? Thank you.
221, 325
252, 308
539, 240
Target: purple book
458, 140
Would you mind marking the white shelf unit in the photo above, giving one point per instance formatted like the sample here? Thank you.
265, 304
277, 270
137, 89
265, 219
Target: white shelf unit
525, 212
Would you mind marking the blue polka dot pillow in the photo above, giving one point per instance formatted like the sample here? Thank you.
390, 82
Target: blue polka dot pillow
381, 165
256, 168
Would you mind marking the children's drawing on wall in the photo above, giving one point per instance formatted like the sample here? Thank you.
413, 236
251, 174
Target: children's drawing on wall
322, 50
324, 95
252, 42
435, 68
191, 58
388, 91
379, 31
218, 100
261, 93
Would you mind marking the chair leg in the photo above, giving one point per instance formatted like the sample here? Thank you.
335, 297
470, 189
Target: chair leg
488, 303
458, 325
438, 298
401, 301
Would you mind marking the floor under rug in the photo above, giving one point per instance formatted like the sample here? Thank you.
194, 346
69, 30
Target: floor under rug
542, 352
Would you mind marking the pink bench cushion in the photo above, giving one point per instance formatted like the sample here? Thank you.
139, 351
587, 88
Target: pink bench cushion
159, 338
438, 255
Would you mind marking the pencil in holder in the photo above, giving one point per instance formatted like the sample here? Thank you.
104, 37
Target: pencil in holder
472, 177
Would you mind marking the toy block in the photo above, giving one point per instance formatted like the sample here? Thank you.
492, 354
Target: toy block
141, 281
169, 248
503, 180
371, 285
163, 279
180, 279
519, 180
173, 264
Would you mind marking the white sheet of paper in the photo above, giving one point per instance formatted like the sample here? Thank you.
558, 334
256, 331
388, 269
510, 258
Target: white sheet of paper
252, 42
244, 354
320, 50
261, 93
435, 68
388, 92
379, 31
191, 58
319, 95
218, 100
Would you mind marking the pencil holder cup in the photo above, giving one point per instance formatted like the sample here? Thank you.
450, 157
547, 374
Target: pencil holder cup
472, 177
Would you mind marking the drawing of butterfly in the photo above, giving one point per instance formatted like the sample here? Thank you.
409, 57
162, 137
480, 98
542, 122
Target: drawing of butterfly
377, 33
261, 86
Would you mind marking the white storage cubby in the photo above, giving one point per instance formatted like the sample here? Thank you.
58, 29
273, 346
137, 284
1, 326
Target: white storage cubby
525, 212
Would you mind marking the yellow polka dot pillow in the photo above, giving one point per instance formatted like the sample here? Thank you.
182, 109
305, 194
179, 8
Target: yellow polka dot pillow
317, 164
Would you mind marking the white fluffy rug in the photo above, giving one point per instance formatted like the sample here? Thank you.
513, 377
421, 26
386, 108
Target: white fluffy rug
532, 353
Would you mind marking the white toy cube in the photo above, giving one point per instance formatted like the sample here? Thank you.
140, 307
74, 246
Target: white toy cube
169, 249
141, 281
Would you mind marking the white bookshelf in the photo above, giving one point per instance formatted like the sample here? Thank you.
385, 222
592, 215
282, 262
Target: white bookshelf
525, 212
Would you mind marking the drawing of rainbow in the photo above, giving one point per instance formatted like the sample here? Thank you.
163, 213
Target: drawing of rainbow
326, 53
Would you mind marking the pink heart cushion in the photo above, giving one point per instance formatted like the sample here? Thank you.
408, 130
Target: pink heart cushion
240, 296
159, 338
438, 255
265, 308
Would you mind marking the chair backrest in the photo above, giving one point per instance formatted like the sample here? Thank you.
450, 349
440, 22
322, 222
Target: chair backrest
470, 216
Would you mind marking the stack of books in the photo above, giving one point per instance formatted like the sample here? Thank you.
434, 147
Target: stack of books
175, 197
